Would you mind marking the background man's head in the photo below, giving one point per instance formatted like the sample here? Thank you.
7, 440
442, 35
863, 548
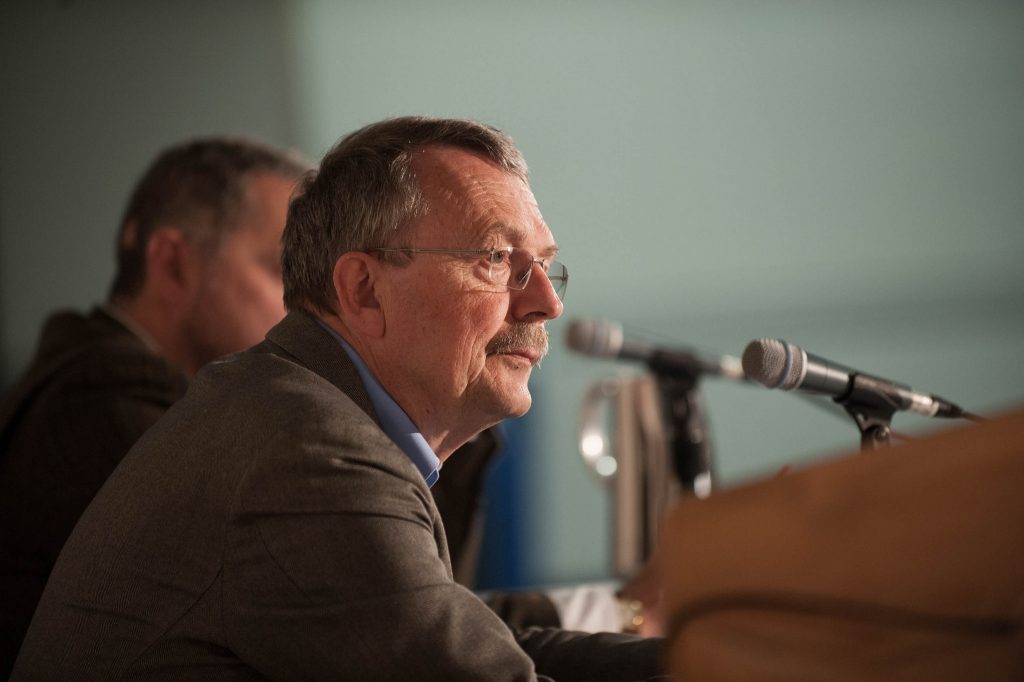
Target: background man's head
198, 247
395, 240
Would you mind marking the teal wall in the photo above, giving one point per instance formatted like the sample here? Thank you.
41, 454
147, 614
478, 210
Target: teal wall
847, 175
89, 92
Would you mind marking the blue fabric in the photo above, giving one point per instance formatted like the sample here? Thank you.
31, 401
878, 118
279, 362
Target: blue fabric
393, 419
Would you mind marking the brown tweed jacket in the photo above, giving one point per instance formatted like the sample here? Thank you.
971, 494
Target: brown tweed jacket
267, 528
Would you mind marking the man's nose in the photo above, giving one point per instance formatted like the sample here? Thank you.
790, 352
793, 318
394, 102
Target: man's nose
538, 301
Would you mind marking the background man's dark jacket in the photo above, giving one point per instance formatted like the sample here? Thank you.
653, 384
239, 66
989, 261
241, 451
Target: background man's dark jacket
92, 389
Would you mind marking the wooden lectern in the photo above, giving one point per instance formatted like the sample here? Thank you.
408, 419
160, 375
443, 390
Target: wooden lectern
901, 564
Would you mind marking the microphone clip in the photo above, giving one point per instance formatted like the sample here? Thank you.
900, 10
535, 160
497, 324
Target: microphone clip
871, 402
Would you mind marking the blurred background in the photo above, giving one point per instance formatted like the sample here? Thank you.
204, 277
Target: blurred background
846, 175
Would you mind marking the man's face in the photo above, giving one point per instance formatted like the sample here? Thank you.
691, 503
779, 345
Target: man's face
240, 293
459, 349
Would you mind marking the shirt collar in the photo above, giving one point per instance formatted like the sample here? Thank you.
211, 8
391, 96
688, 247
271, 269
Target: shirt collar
393, 419
128, 323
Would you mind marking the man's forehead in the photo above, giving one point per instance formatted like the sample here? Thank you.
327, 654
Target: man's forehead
459, 170
494, 203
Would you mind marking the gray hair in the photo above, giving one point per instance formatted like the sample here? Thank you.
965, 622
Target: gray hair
199, 186
365, 193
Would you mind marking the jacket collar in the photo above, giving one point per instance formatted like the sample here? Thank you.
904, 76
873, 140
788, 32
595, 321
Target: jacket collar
301, 336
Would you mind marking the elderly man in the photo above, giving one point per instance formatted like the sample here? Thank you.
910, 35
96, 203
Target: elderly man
277, 523
198, 277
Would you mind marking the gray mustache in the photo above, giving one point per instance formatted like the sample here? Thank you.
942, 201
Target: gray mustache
524, 335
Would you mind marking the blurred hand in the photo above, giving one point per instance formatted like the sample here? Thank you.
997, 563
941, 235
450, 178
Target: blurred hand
643, 595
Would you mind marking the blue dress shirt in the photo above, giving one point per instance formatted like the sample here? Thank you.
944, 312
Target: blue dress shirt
393, 419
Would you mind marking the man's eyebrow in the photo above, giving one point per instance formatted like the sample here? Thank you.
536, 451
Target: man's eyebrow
548, 251
507, 232
517, 235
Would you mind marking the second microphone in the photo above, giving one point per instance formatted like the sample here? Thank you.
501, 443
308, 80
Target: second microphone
605, 339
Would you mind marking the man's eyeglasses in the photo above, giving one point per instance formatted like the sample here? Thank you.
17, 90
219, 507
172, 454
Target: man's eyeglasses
507, 266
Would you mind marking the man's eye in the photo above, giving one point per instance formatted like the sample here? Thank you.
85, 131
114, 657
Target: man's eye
499, 258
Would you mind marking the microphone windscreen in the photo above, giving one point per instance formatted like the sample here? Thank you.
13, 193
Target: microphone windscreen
599, 338
768, 362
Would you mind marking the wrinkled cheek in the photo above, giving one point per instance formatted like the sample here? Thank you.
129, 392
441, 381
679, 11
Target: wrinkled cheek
465, 352
472, 374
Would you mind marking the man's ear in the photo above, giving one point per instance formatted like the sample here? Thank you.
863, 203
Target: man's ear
355, 285
172, 266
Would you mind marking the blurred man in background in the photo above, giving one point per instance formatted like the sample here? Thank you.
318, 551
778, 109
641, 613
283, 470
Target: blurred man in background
198, 276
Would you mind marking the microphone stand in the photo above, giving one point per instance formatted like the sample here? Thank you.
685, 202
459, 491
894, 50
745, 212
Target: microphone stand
689, 437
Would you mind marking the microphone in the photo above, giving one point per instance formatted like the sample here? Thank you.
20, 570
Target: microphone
605, 339
778, 364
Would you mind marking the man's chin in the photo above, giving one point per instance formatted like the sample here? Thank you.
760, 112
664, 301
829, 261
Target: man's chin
521, 411
512, 406
521, 405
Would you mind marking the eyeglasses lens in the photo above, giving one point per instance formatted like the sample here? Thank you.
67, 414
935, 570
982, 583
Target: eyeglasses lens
514, 272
